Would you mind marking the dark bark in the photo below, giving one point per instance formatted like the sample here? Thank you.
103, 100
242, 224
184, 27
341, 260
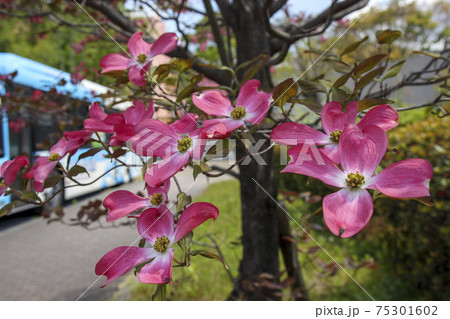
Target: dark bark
259, 265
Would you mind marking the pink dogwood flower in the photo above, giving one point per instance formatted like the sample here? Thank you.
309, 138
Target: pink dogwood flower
333, 121
122, 202
156, 226
132, 116
141, 53
348, 210
9, 171
251, 106
176, 144
99, 121
44, 165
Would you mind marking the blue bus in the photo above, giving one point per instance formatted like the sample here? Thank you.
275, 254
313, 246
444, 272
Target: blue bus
32, 139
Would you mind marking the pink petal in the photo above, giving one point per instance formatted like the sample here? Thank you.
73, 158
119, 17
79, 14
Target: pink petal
332, 152
114, 62
255, 102
230, 124
334, 119
137, 46
95, 125
136, 113
66, 146
121, 203
154, 223
193, 216
40, 171
383, 116
186, 124
154, 138
213, 103
165, 169
216, 131
96, 112
159, 270
81, 134
347, 211
362, 150
307, 160
198, 143
123, 132
165, 185
406, 179
164, 44
291, 133
121, 260
136, 76
11, 168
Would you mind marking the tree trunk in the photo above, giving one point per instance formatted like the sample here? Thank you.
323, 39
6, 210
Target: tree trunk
259, 266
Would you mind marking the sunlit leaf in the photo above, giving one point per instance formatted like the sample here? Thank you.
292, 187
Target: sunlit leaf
352, 47
394, 70
368, 64
388, 36
284, 91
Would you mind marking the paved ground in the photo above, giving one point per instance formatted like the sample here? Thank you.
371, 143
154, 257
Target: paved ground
56, 261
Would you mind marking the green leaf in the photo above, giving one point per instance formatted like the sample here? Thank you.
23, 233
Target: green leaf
217, 67
182, 201
117, 153
368, 64
342, 80
309, 87
7, 209
76, 170
52, 181
312, 104
208, 255
339, 66
185, 242
90, 152
32, 196
186, 92
284, 91
197, 171
367, 103
394, 70
183, 64
366, 79
352, 47
252, 70
142, 243
340, 96
388, 36
247, 63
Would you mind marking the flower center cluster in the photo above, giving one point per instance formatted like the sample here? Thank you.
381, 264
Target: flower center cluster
156, 199
54, 157
161, 244
141, 58
334, 136
238, 113
184, 144
355, 180
2, 183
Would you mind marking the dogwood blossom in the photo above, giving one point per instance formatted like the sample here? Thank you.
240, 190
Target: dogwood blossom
156, 226
348, 210
334, 119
